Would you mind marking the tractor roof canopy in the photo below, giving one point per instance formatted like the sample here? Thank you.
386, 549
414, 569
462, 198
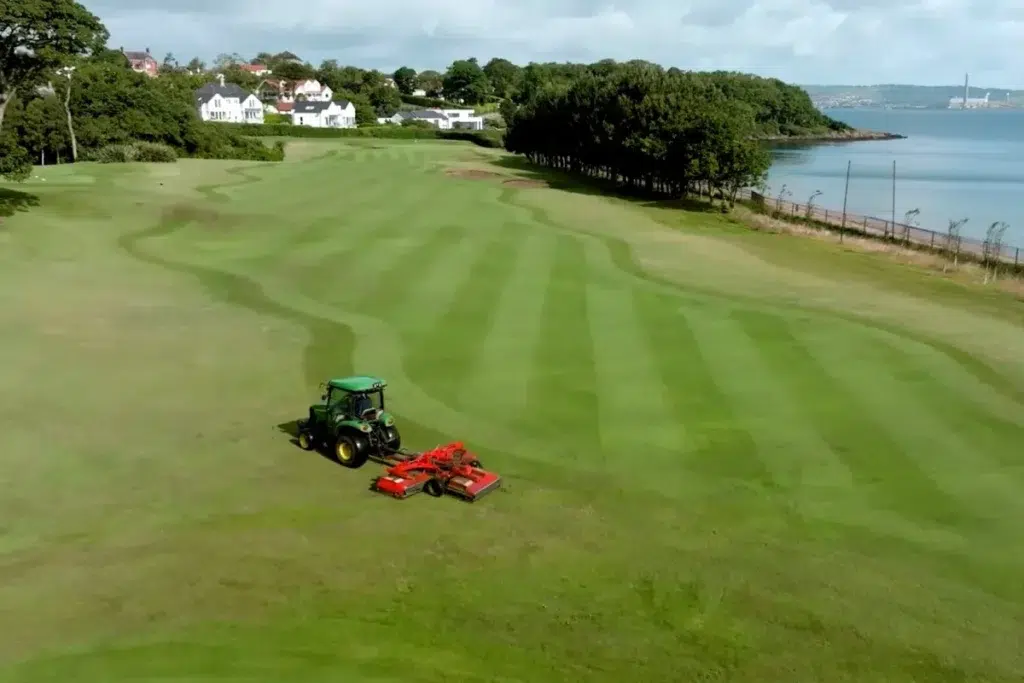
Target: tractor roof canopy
358, 383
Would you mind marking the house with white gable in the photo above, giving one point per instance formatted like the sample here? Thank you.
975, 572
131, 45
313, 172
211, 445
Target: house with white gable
443, 119
311, 91
228, 102
464, 118
338, 114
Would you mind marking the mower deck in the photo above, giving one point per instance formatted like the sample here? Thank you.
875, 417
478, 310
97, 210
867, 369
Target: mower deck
447, 469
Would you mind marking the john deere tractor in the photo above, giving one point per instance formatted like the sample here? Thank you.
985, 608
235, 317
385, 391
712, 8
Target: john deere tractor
351, 422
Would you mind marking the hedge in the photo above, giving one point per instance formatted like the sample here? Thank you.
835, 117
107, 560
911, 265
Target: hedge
484, 138
426, 102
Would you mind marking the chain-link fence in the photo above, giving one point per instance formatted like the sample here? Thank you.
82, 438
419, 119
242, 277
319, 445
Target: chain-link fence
911, 235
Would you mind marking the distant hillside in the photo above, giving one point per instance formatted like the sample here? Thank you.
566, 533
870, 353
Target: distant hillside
909, 96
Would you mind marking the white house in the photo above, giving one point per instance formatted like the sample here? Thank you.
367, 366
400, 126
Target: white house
444, 119
312, 91
229, 103
464, 118
339, 114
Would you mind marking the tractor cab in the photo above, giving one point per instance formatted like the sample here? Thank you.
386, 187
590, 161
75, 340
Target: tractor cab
355, 400
352, 419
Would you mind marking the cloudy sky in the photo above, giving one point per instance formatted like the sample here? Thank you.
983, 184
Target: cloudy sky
928, 42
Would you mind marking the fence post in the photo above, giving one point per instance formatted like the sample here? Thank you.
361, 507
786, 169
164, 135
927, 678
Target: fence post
1016, 257
933, 240
826, 215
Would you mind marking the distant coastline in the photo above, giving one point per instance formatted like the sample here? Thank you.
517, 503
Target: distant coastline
852, 135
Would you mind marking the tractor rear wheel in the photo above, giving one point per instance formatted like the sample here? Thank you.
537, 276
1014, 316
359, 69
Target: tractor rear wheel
350, 452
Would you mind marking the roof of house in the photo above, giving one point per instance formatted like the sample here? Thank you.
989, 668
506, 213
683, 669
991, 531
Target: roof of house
254, 67
311, 107
424, 114
137, 56
284, 106
208, 91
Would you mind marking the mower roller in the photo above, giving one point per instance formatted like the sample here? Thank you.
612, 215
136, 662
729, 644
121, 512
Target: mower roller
352, 422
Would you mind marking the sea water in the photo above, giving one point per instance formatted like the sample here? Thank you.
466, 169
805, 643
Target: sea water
952, 165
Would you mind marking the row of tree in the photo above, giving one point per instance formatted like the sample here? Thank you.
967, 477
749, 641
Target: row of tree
662, 131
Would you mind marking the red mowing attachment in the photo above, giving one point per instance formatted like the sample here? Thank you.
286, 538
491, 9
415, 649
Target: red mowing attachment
446, 469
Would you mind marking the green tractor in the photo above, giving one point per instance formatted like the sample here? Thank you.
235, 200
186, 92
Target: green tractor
351, 422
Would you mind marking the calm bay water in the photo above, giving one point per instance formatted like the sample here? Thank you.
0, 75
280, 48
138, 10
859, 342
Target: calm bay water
953, 165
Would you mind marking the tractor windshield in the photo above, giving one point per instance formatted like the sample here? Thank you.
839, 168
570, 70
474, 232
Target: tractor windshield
363, 402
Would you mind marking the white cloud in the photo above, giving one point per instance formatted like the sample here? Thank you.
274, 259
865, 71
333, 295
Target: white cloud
805, 41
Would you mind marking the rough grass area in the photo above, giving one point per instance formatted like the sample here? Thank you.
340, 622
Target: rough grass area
729, 455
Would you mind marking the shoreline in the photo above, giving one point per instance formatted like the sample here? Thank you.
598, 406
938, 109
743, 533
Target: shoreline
852, 135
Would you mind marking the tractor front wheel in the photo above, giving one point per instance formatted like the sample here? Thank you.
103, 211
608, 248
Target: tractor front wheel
394, 439
348, 452
305, 440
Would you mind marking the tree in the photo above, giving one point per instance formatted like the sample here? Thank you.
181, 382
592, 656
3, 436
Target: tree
504, 76
992, 249
405, 80
372, 80
225, 60
294, 71
37, 36
67, 72
954, 241
366, 115
465, 82
385, 100
431, 82
195, 65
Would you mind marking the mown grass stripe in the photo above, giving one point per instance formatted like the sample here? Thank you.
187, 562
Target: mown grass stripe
497, 384
978, 491
717, 444
983, 419
791, 450
633, 401
884, 475
562, 398
418, 291
446, 349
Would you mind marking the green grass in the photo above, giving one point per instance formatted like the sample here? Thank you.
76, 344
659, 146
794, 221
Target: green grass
727, 457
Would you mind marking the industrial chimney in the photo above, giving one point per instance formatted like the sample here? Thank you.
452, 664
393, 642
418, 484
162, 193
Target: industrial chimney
967, 89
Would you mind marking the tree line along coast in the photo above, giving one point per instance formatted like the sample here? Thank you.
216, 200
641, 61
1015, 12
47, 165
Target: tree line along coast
67, 95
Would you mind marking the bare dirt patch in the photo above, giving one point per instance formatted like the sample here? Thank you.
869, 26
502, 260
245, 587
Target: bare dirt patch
472, 174
524, 183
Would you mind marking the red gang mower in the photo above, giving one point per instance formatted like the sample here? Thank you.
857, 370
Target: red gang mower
354, 425
447, 469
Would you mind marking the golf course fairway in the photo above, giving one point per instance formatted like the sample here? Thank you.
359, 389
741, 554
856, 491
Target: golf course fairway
727, 455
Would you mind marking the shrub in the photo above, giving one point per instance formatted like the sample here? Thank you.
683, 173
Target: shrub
124, 153
223, 141
277, 119
155, 152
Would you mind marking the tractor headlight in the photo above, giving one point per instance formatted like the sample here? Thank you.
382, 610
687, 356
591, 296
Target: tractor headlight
364, 427
389, 421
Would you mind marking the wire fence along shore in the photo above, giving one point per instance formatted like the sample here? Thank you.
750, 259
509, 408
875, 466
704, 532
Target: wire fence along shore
911, 235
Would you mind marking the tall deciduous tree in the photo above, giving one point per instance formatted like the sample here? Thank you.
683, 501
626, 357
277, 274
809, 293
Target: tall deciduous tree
405, 80
503, 75
37, 36
431, 82
465, 82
